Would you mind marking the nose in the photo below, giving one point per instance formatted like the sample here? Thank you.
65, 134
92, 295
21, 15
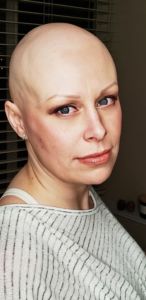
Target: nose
94, 128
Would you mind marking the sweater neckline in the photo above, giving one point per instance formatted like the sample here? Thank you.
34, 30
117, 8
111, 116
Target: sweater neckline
32, 202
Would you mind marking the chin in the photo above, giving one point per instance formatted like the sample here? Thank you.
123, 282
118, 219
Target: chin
98, 176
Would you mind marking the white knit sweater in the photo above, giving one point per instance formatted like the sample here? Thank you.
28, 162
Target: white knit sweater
50, 253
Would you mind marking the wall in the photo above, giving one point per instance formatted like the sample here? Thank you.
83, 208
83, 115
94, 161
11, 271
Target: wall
129, 51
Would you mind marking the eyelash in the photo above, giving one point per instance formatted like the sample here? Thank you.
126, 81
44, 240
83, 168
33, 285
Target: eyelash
99, 105
58, 110
111, 98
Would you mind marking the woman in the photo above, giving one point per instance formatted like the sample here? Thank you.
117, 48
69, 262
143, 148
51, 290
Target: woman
58, 240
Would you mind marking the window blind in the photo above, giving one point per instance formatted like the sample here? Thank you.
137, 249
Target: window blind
17, 17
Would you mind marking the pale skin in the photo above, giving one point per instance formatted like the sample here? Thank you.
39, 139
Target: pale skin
64, 88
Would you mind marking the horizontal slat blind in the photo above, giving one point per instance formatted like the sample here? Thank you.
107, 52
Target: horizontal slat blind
17, 17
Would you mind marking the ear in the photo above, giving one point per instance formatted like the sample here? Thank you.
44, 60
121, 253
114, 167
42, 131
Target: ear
14, 117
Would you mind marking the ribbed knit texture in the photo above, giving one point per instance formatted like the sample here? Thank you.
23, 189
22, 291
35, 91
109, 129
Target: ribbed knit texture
48, 253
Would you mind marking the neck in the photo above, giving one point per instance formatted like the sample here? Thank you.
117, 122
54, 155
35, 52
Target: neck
50, 191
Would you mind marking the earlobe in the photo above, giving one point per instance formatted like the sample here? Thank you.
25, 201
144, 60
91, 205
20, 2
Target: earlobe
14, 117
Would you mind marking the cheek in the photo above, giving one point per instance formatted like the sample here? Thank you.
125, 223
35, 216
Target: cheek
118, 121
112, 123
49, 138
115, 123
37, 132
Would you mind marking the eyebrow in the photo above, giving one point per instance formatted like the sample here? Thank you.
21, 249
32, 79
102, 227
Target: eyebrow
77, 96
63, 96
109, 86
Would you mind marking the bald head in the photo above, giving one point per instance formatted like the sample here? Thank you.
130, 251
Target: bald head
43, 52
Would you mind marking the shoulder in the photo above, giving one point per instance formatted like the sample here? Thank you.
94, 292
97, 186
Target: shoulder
8, 200
17, 221
14, 210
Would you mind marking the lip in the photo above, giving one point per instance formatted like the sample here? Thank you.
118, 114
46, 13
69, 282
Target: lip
96, 159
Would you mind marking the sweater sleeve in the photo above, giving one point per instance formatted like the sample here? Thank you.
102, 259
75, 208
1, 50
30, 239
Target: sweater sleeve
20, 255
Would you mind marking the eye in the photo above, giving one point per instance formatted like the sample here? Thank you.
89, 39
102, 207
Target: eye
65, 110
106, 101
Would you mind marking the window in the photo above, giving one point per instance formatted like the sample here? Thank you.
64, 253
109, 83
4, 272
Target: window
17, 17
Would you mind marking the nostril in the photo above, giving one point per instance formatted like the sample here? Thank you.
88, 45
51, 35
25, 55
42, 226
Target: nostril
95, 131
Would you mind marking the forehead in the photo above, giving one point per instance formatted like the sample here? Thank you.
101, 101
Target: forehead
65, 65
71, 72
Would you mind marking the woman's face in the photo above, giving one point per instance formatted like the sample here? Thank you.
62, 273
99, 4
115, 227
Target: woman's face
74, 127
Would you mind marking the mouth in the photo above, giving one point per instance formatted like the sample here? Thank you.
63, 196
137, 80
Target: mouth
96, 159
